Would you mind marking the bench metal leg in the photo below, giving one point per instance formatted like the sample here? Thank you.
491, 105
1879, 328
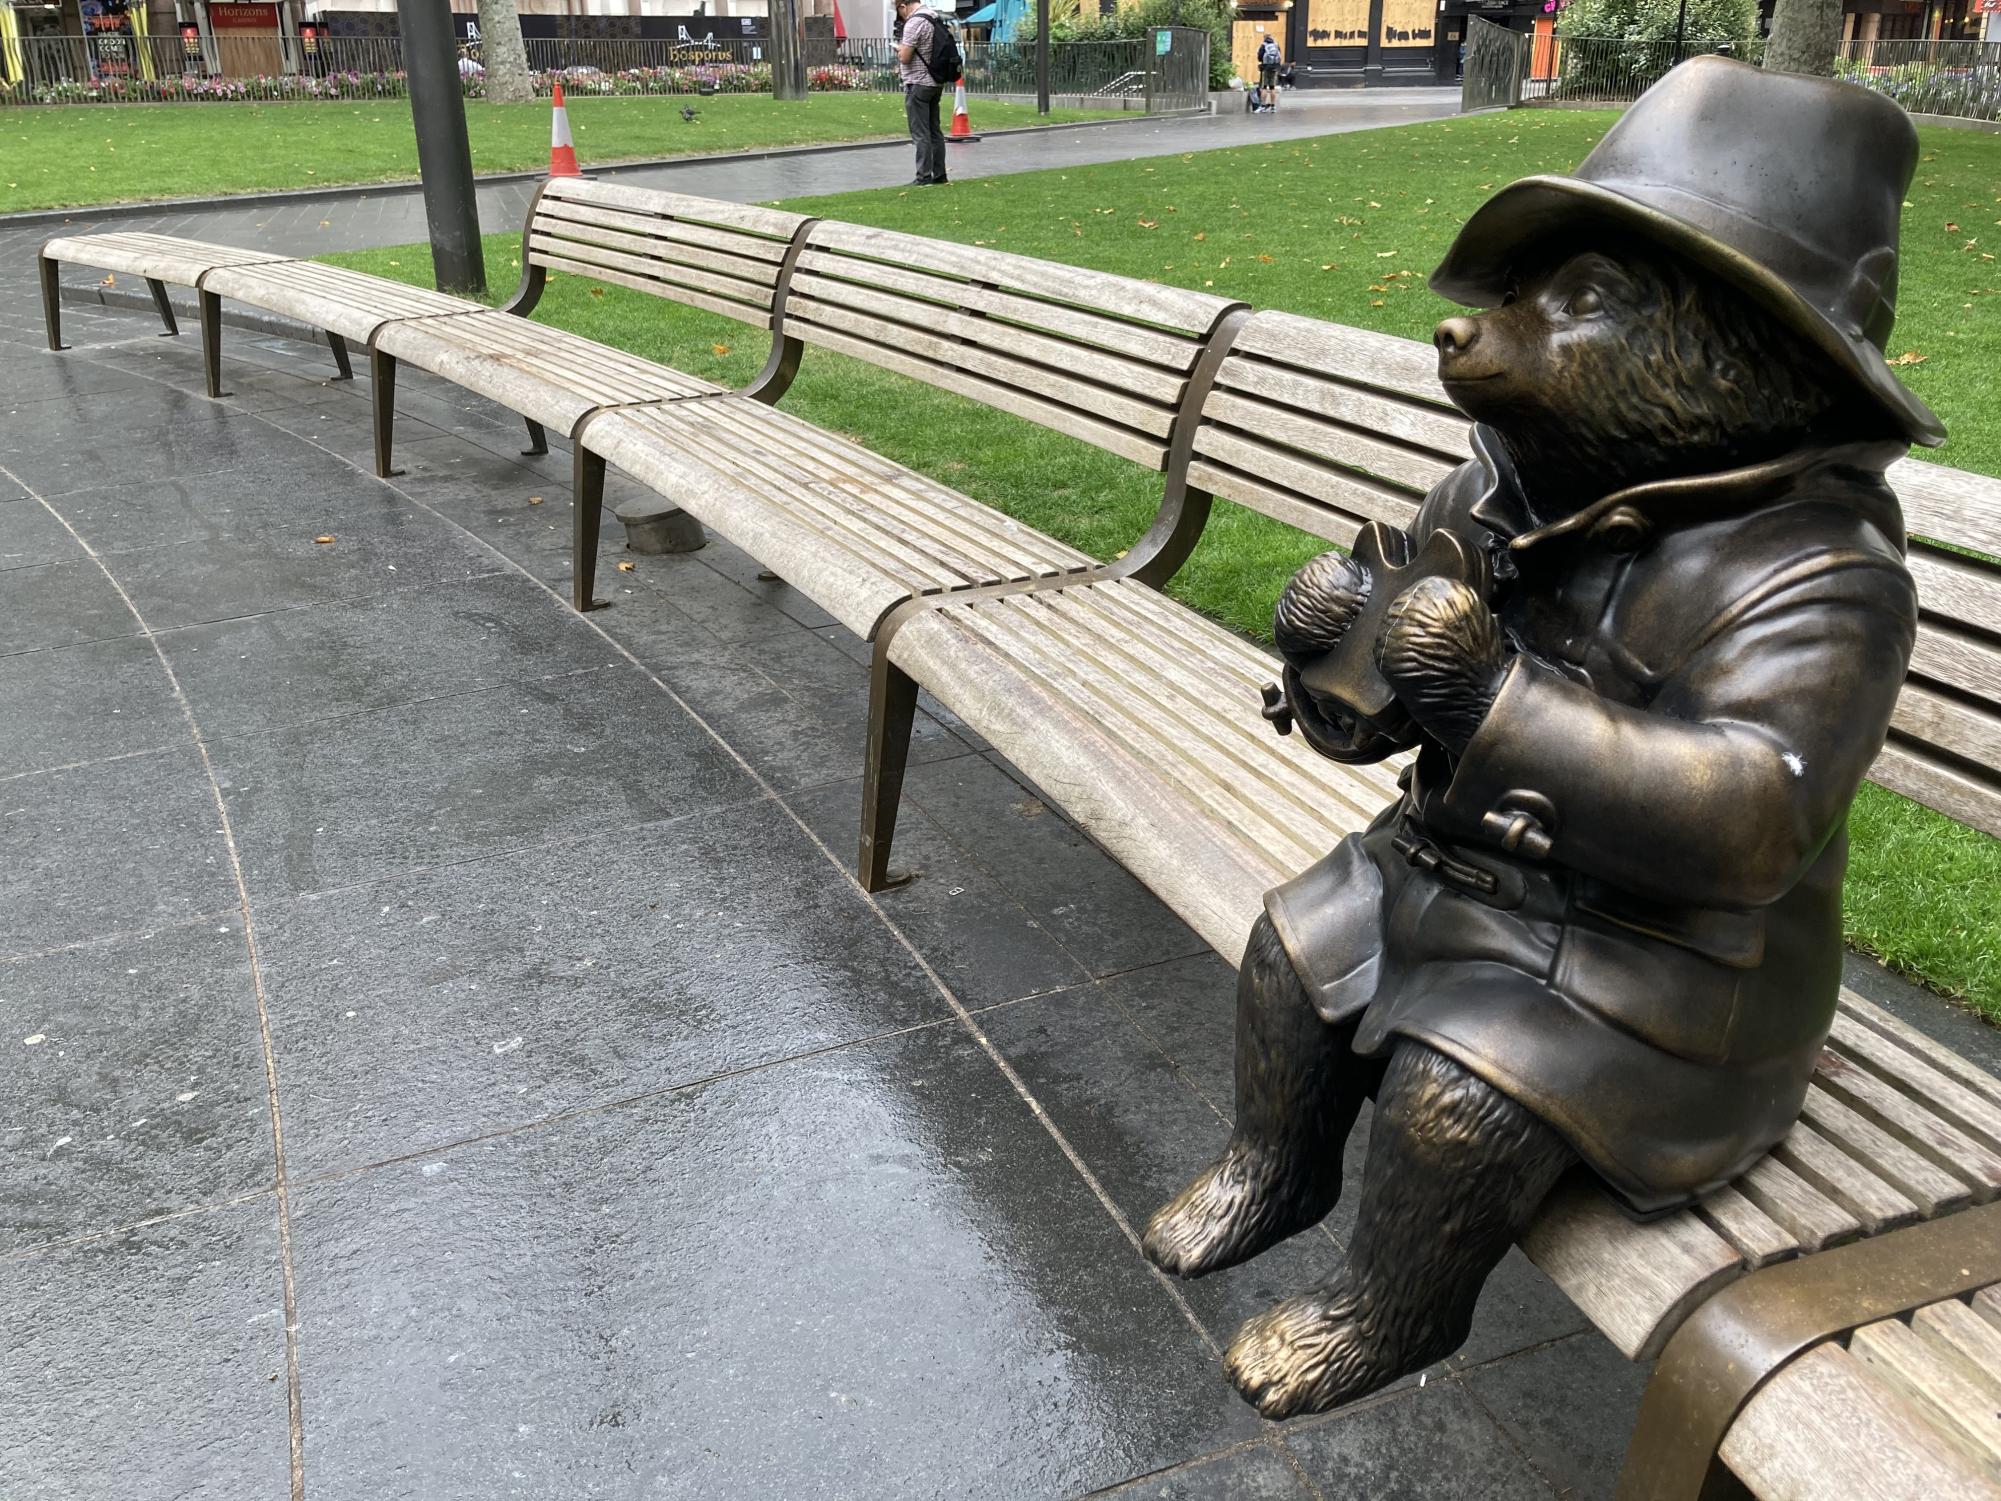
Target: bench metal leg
382, 396
52, 304
211, 341
538, 441
159, 290
587, 495
892, 708
339, 347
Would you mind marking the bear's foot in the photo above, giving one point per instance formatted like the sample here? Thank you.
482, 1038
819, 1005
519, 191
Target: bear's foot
1331, 1346
1245, 1202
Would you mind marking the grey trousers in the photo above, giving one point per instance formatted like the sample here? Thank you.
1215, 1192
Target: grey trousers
920, 108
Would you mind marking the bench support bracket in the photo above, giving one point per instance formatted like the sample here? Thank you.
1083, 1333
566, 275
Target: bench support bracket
52, 306
892, 710
538, 440
1745, 1335
211, 342
341, 361
587, 494
382, 399
159, 290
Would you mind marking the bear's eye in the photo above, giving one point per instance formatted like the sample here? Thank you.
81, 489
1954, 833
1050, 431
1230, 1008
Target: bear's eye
1510, 295
1586, 302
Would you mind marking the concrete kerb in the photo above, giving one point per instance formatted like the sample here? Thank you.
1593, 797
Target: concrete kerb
287, 196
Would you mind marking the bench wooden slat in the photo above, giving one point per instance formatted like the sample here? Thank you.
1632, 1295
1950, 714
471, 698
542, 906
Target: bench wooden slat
162, 257
1964, 1412
1820, 1163
760, 317
578, 221
1961, 1335
1969, 1111
1958, 660
1171, 351
806, 316
1807, 1213
1924, 714
1273, 471
653, 273
352, 304
1322, 439
1927, 1185
1908, 1037
1448, 434
1636, 1282
635, 253
1141, 449
1956, 588
1058, 355
1918, 1128
1760, 1239
1827, 1427
1903, 767
1949, 505
1381, 360
775, 224
1100, 291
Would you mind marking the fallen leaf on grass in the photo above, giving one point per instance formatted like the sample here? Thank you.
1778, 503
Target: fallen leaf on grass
1910, 357
625, 567
719, 349
324, 537
597, 291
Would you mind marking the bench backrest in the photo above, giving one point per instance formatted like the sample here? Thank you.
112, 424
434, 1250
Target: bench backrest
1326, 427
722, 257
1104, 358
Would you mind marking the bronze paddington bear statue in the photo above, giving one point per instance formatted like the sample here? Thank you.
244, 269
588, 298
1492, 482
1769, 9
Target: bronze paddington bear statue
1643, 671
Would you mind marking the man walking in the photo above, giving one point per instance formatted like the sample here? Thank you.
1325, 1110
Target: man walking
1269, 58
917, 36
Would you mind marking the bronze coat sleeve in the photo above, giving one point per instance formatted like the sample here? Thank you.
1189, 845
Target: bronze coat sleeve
1726, 787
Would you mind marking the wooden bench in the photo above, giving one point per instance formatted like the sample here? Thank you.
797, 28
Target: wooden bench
1138, 716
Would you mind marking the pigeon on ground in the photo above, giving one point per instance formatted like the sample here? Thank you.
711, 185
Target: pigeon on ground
688, 113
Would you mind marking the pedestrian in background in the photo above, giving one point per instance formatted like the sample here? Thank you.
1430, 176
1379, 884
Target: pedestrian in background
916, 38
1269, 57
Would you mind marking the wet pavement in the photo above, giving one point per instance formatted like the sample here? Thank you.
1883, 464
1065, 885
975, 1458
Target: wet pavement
443, 1053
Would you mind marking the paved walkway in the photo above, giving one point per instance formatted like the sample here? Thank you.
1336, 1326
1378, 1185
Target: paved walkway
444, 1054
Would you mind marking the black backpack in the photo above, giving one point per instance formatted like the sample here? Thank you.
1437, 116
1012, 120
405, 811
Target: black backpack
946, 64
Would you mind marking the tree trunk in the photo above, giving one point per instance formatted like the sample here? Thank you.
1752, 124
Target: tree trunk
1805, 36
503, 55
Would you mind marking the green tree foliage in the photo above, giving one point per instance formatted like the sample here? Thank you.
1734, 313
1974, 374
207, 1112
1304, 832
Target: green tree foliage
1132, 22
1654, 20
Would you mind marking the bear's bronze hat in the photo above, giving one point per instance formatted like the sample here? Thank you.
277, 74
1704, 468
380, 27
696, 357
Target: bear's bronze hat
1789, 186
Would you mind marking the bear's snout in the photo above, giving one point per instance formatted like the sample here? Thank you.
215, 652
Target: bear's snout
1454, 337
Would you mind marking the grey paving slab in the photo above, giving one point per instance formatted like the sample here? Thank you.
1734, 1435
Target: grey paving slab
293, 490
196, 443
113, 847
149, 1365
281, 567
1434, 1443
59, 604
869, 1274
445, 780
291, 667
412, 1013
1570, 1407
29, 534
133, 1072
794, 706
66, 705
1258, 1474
984, 945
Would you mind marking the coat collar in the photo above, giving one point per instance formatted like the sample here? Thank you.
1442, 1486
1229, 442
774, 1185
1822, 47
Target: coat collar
1623, 520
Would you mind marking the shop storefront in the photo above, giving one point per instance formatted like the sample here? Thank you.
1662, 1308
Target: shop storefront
1344, 42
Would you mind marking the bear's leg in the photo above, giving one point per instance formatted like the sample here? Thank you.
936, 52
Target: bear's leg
1455, 1172
1299, 1088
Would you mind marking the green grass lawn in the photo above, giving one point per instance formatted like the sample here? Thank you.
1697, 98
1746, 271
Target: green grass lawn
1347, 227
63, 156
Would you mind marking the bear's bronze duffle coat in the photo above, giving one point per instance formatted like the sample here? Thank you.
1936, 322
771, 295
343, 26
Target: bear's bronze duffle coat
1706, 668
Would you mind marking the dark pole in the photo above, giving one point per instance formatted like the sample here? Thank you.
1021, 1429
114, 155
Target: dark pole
444, 155
1680, 28
1042, 57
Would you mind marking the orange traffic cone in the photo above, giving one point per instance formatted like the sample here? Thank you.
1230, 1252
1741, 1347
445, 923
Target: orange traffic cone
562, 155
962, 126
